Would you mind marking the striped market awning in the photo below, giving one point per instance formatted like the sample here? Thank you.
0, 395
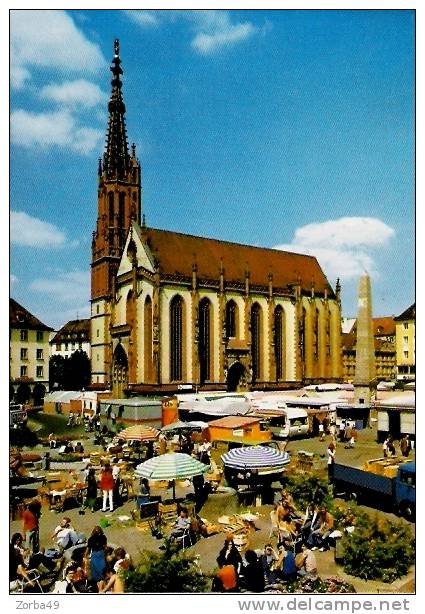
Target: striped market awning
171, 466
255, 457
138, 432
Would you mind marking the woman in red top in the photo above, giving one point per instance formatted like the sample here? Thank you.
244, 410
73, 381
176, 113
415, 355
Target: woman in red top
30, 525
107, 487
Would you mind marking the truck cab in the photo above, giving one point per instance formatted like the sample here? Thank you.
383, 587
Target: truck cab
405, 490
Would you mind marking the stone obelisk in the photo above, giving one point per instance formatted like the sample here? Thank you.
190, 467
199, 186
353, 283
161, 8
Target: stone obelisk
364, 379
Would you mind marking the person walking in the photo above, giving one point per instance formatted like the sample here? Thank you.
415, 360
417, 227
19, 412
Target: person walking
385, 446
107, 487
353, 437
91, 491
30, 526
331, 460
96, 547
405, 446
391, 446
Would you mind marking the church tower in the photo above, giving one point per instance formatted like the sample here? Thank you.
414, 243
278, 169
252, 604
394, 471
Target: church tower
119, 203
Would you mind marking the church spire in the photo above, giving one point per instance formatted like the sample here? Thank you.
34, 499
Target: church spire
116, 157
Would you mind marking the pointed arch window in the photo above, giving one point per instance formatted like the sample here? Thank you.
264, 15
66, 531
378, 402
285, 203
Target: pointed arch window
256, 341
231, 319
148, 347
121, 210
176, 339
279, 341
316, 333
204, 343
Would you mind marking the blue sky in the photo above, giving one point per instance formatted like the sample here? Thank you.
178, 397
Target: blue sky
290, 129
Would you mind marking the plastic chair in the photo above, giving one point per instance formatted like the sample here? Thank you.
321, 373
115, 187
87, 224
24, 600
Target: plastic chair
186, 535
23, 583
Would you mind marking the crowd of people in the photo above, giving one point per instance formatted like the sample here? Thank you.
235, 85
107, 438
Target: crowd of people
297, 535
88, 564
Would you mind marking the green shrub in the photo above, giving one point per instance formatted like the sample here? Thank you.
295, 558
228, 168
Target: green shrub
309, 488
166, 572
378, 549
22, 436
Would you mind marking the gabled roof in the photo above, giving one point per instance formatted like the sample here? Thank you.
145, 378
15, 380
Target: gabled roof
19, 317
383, 327
409, 314
176, 253
80, 328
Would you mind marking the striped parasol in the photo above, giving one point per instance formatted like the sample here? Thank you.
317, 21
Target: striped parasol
139, 432
255, 457
172, 466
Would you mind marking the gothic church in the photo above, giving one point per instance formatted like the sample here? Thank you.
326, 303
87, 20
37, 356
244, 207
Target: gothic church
172, 311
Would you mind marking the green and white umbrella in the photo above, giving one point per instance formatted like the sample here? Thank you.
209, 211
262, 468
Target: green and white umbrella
171, 466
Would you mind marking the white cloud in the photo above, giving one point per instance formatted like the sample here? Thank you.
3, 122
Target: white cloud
209, 43
345, 232
49, 39
68, 288
74, 94
143, 18
344, 248
13, 279
213, 30
29, 231
57, 128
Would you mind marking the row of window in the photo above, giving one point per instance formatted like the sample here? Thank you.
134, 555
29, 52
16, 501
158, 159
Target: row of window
69, 346
24, 335
38, 354
39, 372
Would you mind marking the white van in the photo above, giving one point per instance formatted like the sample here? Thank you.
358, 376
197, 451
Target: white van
291, 422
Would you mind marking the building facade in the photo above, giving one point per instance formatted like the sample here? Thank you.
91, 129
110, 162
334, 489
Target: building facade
73, 336
406, 344
173, 311
385, 349
29, 356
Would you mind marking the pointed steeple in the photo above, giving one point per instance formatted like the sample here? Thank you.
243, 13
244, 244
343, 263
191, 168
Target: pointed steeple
116, 157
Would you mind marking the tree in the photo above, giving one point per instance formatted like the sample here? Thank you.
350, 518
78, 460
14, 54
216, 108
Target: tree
56, 372
71, 373
166, 572
78, 370
307, 489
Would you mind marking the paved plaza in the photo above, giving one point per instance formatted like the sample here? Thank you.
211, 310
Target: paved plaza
123, 532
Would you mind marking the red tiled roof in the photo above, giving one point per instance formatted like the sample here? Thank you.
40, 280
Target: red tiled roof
176, 253
233, 422
383, 326
19, 317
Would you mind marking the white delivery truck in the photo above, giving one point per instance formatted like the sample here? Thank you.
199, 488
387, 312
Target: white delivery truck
289, 422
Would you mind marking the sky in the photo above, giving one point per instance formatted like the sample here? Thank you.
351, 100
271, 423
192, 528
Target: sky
287, 129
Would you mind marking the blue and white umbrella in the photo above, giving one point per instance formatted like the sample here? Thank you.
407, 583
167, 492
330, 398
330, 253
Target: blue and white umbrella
255, 457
